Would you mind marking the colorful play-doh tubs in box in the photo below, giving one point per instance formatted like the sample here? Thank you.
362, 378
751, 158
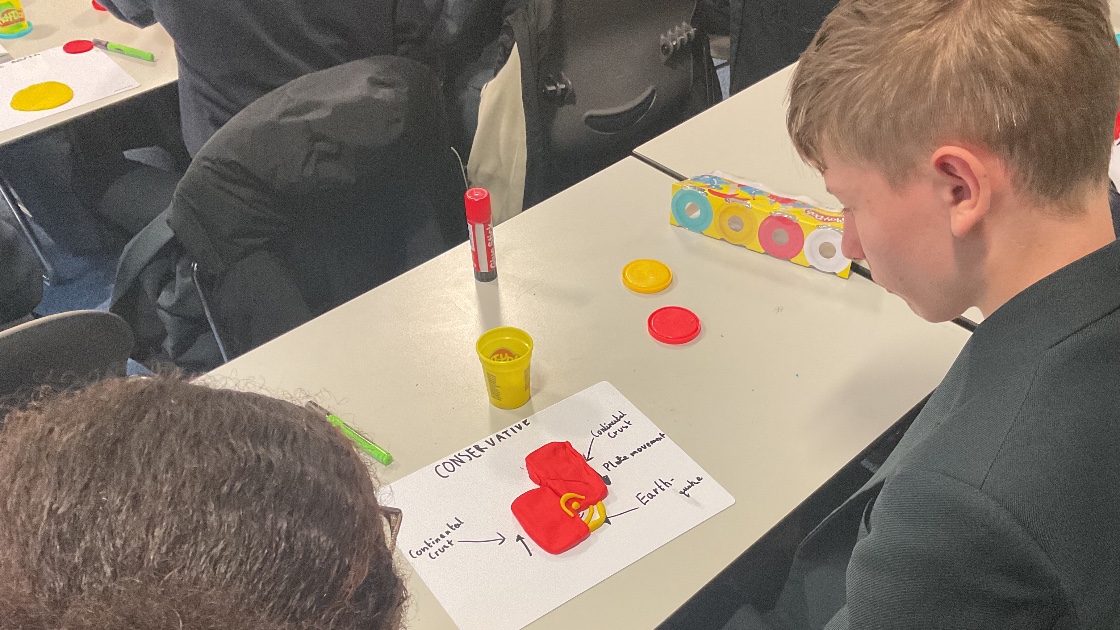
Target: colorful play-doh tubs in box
720, 206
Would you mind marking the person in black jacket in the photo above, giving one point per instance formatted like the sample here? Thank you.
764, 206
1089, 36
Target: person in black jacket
969, 142
232, 53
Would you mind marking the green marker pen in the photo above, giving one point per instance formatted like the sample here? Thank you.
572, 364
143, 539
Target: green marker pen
124, 50
357, 438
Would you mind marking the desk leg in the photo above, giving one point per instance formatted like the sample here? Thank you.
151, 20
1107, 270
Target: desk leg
21, 215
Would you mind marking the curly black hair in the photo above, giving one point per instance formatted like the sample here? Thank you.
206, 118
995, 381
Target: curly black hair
154, 503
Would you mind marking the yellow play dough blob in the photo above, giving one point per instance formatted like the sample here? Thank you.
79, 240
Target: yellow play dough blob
46, 95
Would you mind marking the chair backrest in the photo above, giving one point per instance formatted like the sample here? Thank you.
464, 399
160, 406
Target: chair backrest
620, 71
63, 350
597, 79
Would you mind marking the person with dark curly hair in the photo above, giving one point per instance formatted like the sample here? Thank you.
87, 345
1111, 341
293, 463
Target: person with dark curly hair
154, 503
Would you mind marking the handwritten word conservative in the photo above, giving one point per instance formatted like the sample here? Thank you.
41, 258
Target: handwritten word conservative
448, 466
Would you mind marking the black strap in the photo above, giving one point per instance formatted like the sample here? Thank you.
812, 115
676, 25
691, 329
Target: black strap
139, 252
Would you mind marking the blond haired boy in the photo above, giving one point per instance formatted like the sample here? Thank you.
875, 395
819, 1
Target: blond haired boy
969, 142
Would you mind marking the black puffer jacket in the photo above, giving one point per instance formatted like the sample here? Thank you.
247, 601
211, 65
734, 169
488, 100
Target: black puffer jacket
315, 193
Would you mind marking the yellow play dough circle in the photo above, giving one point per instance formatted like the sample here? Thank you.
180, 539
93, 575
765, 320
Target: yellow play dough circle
647, 276
41, 96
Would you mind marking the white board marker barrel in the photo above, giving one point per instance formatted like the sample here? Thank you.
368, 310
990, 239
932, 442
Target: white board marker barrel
479, 216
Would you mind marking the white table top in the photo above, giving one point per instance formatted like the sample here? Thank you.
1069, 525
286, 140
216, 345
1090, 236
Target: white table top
794, 374
56, 22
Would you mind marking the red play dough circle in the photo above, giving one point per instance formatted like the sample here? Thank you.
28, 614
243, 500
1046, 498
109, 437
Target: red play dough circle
78, 46
674, 325
794, 237
97, 5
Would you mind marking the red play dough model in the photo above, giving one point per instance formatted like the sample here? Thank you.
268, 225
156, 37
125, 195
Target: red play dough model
550, 514
97, 5
78, 46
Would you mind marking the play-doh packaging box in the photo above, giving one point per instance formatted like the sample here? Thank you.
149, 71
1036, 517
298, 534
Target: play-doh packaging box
798, 230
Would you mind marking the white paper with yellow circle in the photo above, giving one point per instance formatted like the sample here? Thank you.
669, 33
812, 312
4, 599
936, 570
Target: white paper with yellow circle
91, 75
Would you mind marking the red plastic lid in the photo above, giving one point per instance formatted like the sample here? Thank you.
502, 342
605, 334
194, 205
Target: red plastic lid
77, 46
674, 325
97, 5
477, 201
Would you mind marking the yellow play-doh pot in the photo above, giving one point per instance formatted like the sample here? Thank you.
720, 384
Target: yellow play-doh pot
505, 354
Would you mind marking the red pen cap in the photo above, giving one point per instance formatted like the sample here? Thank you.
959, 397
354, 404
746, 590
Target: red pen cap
477, 201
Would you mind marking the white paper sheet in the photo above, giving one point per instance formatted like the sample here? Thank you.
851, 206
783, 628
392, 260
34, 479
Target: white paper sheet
92, 75
656, 493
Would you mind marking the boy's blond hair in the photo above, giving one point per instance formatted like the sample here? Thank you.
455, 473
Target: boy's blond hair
1037, 82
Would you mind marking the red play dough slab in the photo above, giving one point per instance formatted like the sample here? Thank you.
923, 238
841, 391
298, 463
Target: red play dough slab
568, 485
97, 5
674, 325
78, 46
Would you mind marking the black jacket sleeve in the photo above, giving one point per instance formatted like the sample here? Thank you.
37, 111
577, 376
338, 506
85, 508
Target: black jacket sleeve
939, 553
138, 12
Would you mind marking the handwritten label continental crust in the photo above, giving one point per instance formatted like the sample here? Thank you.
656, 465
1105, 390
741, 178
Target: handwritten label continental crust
448, 466
436, 546
614, 428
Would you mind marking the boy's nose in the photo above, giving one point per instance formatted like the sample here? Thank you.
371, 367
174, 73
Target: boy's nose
850, 245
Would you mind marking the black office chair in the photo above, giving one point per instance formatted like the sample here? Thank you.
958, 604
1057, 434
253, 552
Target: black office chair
597, 79
62, 350
621, 72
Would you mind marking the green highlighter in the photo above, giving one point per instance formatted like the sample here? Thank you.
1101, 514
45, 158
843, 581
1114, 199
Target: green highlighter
357, 438
124, 50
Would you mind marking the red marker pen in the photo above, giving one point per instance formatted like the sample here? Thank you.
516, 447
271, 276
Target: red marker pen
479, 216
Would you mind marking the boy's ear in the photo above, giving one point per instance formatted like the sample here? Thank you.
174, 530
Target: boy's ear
963, 182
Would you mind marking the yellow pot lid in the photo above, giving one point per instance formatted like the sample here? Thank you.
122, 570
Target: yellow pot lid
647, 276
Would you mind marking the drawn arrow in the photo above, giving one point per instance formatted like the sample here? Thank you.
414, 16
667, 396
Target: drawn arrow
501, 539
619, 514
588, 456
521, 539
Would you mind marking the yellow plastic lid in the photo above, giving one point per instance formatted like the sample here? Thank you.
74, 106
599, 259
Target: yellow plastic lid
647, 276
